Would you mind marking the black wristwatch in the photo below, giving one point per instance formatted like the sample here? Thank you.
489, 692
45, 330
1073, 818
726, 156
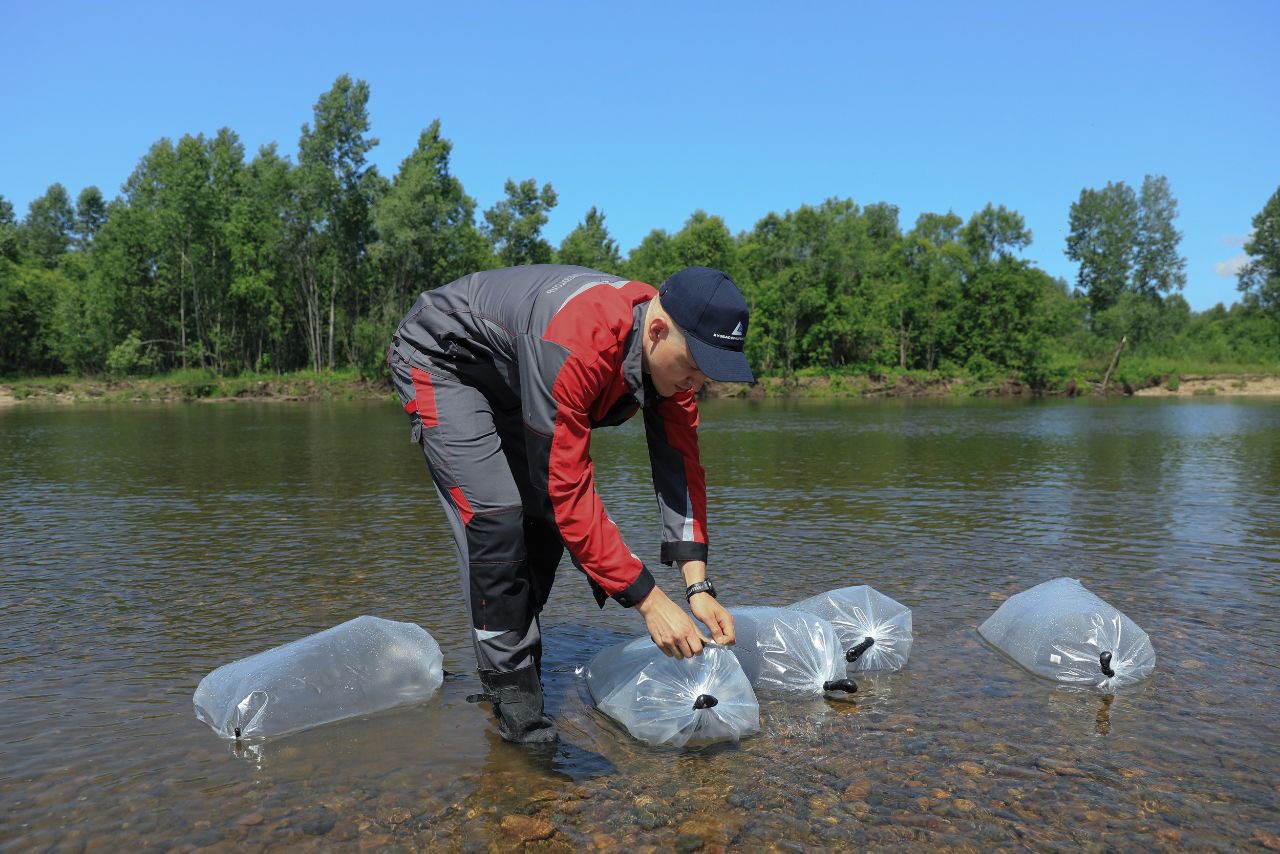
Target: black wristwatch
700, 587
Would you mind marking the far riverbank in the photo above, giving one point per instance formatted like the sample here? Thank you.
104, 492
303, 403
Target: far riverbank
914, 385
202, 387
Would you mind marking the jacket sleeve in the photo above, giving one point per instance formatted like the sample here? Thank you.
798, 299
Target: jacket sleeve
678, 477
556, 414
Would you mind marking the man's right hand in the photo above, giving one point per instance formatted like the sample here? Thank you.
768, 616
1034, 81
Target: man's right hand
669, 626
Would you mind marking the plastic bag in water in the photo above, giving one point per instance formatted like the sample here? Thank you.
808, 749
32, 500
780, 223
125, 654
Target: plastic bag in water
663, 700
1063, 632
784, 651
362, 666
874, 629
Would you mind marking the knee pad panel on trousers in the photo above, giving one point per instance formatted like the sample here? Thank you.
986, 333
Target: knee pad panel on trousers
498, 566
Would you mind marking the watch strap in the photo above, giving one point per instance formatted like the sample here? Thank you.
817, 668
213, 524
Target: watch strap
699, 587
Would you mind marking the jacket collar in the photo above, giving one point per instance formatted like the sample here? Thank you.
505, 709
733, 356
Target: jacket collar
633, 362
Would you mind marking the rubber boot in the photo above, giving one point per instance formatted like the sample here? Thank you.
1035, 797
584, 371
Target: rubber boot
517, 704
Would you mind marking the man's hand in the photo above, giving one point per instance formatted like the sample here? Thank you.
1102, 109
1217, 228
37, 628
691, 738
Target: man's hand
705, 607
670, 627
713, 614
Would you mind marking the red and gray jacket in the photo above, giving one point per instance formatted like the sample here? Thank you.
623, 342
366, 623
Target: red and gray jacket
564, 345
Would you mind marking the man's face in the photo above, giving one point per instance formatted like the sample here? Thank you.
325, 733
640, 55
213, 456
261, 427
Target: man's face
671, 366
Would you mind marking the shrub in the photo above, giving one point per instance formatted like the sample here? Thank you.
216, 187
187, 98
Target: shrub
130, 358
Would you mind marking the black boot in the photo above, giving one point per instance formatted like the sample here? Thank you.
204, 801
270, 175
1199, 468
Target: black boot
517, 704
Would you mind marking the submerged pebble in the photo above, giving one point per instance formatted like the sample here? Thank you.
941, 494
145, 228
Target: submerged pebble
526, 828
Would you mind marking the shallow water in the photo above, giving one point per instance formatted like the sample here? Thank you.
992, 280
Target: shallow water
140, 547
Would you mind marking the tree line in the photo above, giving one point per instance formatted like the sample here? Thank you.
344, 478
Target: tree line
209, 260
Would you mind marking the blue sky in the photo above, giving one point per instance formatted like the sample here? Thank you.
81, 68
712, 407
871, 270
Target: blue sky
651, 111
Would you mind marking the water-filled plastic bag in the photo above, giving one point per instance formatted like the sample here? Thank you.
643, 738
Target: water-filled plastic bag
1063, 632
784, 651
874, 629
662, 700
362, 666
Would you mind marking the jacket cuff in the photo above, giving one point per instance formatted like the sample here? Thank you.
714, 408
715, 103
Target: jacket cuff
683, 550
636, 591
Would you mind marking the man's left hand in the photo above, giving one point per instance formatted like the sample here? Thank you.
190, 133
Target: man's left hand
713, 615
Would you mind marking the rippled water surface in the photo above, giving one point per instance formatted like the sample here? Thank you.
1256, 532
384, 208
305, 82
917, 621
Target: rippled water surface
141, 547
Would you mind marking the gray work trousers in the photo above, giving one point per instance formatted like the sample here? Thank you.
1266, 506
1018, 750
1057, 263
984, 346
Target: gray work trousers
507, 548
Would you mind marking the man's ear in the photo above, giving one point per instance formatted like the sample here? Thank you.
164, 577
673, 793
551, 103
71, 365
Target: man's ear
657, 329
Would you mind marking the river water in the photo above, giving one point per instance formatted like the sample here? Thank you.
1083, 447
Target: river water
143, 546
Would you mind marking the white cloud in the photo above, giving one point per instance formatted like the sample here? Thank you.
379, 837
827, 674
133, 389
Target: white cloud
1235, 240
1232, 266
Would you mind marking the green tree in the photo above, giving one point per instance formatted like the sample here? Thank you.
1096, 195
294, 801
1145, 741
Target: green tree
1000, 317
514, 224
426, 238
939, 229
195, 192
123, 288
47, 229
1158, 268
853, 255
140, 259
811, 278
10, 237
882, 224
28, 300
336, 192
426, 223
1125, 242
259, 289
589, 245
935, 261
1259, 281
652, 261
1103, 233
994, 233
223, 336
91, 212
92, 306
784, 297
705, 241
162, 258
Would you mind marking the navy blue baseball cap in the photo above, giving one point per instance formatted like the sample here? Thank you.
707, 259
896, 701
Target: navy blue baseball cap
713, 315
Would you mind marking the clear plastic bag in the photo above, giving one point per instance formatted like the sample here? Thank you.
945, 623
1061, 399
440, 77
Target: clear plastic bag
362, 666
1061, 631
784, 651
874, 629
663, 700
